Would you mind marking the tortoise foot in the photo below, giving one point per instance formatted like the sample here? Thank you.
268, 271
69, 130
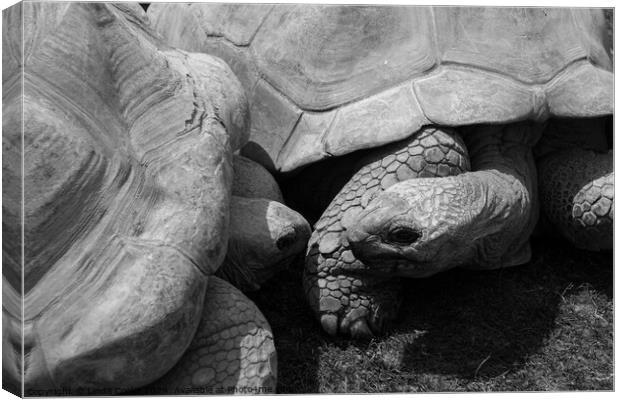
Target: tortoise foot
232, 352
352, 306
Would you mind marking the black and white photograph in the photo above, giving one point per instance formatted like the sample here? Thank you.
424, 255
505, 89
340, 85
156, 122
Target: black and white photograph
233, 198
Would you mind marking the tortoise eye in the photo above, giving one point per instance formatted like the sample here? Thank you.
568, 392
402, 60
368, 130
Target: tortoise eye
403, 235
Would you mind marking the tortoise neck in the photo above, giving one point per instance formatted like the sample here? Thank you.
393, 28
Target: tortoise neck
503, 190
505, 148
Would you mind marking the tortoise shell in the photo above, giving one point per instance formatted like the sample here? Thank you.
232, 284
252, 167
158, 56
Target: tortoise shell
109, 162
328, 80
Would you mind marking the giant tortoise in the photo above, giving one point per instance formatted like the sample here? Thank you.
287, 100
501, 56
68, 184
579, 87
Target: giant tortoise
120, 148
417, 88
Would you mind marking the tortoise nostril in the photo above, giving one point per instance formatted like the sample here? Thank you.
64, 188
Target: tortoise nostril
287, 240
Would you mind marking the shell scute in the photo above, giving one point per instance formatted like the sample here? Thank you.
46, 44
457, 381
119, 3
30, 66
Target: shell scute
323, 56
273, 118
584, 91
306, 143
384, 118
458, 96
236, 22
529, 44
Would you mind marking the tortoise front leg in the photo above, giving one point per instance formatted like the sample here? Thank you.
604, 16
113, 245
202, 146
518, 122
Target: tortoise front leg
232, 352
347, 296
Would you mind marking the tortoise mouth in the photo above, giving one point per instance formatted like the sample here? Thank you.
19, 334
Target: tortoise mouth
380, 261
400, 267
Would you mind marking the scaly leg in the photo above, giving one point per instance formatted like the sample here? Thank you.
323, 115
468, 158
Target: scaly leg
343, 292
232, 352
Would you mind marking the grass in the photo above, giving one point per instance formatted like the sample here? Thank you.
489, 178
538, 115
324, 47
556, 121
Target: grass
545, 326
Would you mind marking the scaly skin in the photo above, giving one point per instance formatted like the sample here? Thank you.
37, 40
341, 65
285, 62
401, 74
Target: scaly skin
577, 193
343, 292
232, 352
479, 219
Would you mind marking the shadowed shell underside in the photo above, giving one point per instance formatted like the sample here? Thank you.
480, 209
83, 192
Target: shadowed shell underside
328, 80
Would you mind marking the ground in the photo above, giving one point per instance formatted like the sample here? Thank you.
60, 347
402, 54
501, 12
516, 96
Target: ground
544, 326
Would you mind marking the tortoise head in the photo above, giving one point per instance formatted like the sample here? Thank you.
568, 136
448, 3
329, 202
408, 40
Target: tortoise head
416, 228
265, 236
